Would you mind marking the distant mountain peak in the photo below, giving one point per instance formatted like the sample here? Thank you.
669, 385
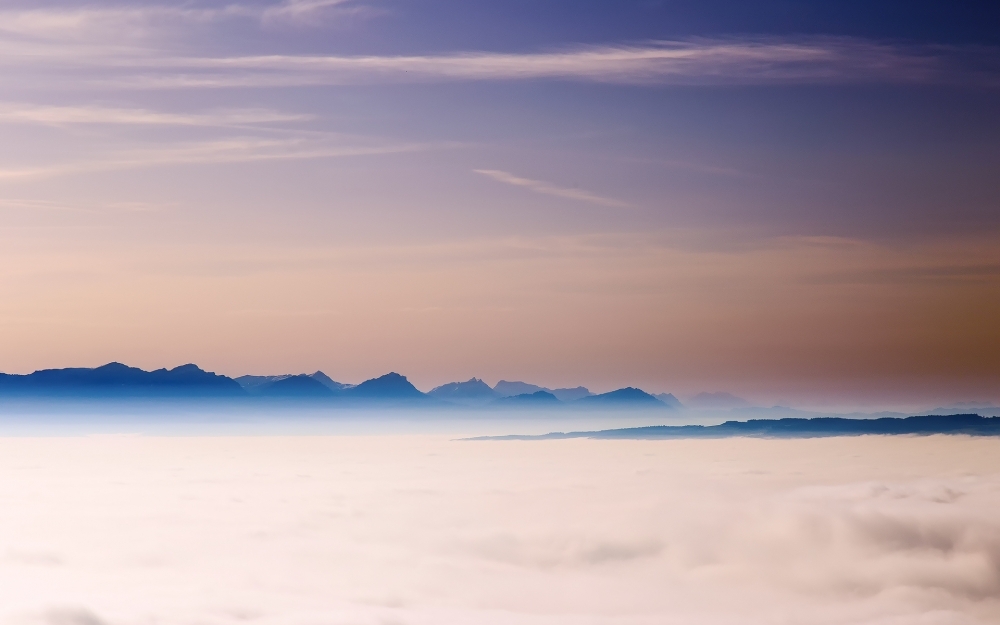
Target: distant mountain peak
305, 385
571, 394
509, 389
669, 399
114, 366
529, 399
473, 390
389, 386
251, 382
629, 395
327, 381
296, 386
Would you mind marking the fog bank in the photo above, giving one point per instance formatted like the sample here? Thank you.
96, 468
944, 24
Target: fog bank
123, 530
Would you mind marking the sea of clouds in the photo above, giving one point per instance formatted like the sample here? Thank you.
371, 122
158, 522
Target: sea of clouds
421, 529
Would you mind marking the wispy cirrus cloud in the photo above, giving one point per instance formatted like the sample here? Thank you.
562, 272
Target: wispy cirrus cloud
94, 22
309, 11
547, 188
34, 205
65, 115
665, 62
229, 150
105, 24
84, 48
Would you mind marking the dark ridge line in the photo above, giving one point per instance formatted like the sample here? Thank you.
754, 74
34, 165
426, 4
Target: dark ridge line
820, 427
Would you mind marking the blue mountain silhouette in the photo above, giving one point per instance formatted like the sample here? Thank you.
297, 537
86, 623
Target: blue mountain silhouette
509, 389
190, 381
538, 398
669, 400
956, 424
301, 385
296, 386
571, 394
116, 379
624, 396
328, 382
388, 386
473, 391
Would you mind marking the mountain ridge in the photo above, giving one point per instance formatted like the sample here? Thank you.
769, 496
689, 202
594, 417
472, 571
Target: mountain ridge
818, 427
115, 379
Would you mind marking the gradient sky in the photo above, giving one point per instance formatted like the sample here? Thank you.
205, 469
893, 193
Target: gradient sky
789, 201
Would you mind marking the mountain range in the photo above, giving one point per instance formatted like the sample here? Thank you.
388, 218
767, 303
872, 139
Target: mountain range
116, 380
924, 425
475, 391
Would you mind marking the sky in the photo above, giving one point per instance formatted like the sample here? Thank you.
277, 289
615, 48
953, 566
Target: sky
793, 202
271, 530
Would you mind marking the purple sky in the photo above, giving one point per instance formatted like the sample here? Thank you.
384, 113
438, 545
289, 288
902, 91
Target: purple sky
782, 201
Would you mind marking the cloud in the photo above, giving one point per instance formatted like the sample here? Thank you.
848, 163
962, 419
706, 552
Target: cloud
118, 23
665, 63
692, 62
915, 273
113, 47
231, 150
308, 11
70, 616
546, 188
138, 23
31, 204
419, 529
34, 557
561, 551
64, 115
38, 205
